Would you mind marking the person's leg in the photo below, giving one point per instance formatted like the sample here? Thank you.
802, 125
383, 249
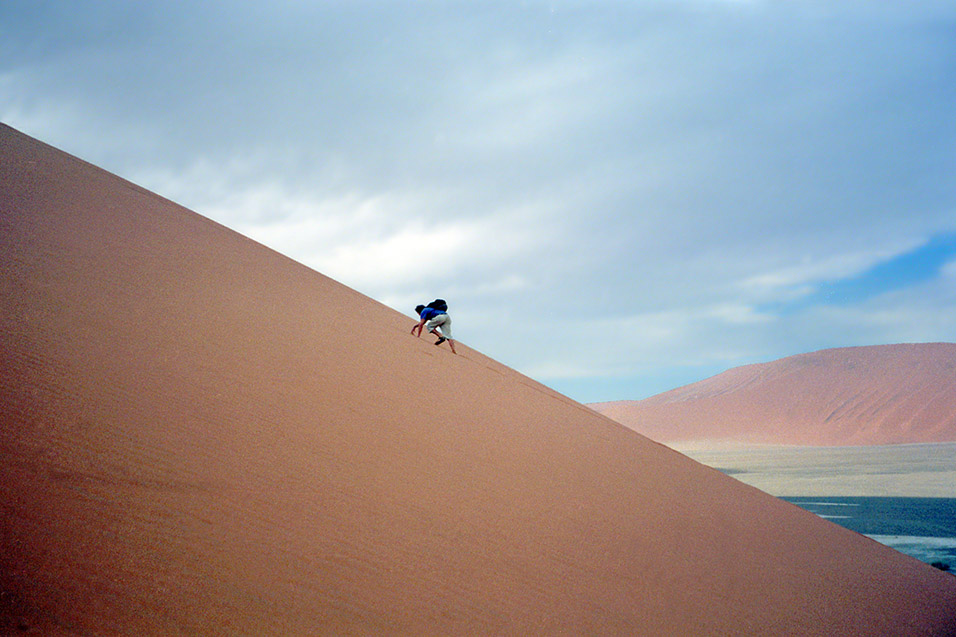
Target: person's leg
446, 332
434, 326
444, 321
441, 325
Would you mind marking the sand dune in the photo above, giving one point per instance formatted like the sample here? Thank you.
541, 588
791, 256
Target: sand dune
201, 436
878, 395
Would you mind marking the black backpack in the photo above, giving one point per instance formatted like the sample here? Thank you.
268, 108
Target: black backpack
438, 304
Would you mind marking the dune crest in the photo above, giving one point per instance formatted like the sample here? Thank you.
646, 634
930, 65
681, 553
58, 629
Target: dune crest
876, 395
201, 436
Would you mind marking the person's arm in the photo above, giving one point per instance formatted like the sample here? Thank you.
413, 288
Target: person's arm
420, 325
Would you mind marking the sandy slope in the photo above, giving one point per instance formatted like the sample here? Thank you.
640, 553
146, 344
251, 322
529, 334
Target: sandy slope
201, 436
879, 395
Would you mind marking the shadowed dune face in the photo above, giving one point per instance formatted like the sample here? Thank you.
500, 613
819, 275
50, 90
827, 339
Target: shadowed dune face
878, 395
201, 436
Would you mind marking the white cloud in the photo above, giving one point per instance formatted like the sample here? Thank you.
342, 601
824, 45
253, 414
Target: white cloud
384, 244
800, 278
737, 314
949, 270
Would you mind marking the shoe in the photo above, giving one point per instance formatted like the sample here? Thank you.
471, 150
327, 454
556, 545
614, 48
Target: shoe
440, 340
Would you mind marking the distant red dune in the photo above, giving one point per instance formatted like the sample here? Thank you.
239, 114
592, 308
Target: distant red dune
877, 395
200, 436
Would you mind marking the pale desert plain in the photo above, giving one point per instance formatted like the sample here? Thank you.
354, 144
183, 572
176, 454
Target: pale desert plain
194, 441
868, 421
909, 471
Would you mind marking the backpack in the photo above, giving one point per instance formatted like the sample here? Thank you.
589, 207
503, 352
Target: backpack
438, 304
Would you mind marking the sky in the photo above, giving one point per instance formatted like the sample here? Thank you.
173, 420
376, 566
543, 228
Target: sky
615, 198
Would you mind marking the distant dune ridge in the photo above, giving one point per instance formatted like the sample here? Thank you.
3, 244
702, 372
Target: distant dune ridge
201, 436
877, 395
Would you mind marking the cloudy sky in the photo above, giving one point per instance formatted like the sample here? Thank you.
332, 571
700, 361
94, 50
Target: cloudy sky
616, 198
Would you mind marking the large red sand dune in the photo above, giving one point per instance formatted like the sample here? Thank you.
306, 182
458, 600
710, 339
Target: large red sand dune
203, 437
878, 395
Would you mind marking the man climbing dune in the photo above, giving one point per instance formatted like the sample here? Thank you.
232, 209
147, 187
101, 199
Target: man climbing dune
434, 316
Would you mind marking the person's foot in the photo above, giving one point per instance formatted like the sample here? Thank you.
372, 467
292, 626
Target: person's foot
440, 340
